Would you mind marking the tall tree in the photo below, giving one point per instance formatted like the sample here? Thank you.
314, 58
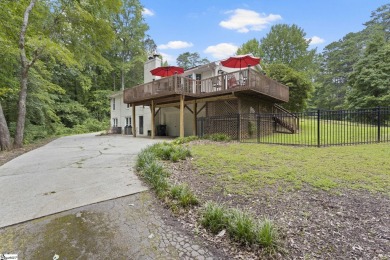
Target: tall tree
188, 60
370, 80
51, 30
337, 61
340, 58
299, 85
287, 44
251, 47
129, 48
26, 64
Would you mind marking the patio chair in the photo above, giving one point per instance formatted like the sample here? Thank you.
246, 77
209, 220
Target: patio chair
232, 82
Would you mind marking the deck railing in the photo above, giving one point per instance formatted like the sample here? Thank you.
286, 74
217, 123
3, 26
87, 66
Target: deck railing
245, 79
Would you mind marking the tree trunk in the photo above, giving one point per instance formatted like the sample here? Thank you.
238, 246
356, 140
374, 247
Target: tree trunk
5, 139
25, 64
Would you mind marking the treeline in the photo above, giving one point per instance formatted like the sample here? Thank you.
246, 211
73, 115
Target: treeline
353, 72
61, 59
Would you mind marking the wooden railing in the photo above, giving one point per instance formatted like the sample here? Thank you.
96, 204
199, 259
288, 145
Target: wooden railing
245, 79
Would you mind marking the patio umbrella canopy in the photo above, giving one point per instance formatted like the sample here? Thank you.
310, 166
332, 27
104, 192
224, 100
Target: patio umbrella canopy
240, 61
166, 71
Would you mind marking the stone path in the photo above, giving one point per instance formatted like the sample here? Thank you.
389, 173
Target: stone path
132, 227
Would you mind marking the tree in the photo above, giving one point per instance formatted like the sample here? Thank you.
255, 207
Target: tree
5, 139
370, 80
129, 48
299, 85
189, 60
340, 58
337, 61
380, 20
287, 44
26, 64
253, 47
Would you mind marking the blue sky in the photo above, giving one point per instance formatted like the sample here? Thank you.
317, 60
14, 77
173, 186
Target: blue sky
216, 28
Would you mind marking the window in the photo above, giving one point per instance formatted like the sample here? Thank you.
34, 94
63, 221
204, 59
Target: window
115, 122
128, 121
127, 106
113, 104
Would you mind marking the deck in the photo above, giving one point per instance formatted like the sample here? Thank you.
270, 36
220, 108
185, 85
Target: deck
169, 89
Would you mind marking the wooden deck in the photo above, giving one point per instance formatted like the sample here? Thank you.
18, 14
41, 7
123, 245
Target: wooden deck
170, 89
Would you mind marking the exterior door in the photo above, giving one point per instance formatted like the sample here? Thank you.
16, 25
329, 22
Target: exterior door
141, 125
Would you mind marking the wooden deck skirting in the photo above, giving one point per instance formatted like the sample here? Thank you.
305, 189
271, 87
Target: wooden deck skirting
171, 89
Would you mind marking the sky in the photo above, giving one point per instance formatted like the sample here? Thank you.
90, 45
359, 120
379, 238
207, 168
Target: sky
216, 28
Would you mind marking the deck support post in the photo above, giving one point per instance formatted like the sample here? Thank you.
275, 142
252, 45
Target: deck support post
181, 115
194, 125
134, 121
152, 110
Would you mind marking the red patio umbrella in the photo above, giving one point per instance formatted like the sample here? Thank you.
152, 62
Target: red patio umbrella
166, 71
240, 61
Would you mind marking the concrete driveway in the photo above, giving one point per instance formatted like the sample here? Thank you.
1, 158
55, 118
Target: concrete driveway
68, 173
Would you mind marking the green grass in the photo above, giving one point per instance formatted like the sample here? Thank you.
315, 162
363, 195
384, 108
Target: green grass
242, 168
332, 132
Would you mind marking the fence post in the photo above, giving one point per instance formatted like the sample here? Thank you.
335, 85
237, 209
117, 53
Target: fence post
318, 128
379, 124
258, 127
238, 128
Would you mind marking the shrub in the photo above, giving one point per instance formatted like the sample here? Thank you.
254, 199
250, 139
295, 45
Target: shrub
144, 157
214, 217
183, 140
169, 151
266, 234
155, 175
183, 195
241, 226
218, 137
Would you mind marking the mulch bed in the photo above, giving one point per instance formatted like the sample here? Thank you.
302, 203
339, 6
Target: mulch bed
313, 224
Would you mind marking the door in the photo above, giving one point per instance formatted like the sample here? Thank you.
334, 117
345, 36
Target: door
141, 125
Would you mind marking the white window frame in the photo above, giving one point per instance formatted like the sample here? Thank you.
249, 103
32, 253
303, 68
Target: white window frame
128, 121
115, 122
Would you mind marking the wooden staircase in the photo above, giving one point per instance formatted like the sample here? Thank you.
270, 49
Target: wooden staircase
285, 119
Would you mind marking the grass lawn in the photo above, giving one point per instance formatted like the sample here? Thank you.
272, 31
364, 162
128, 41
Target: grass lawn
332, 132
245, 167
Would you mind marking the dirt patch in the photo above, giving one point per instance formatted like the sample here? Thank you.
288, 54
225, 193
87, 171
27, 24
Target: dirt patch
314, 224
6, 156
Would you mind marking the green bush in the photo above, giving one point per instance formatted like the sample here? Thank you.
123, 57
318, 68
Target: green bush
169, 151
218, 137
266, 234
144, 157
183, 195
183, 140
214, 217
241, 226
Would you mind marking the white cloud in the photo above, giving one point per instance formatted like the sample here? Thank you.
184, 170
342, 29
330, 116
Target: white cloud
147, 12
316, 40
243, 20
175, 45
222, 50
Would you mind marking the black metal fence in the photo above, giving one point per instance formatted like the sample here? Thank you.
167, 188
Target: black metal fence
312, 128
